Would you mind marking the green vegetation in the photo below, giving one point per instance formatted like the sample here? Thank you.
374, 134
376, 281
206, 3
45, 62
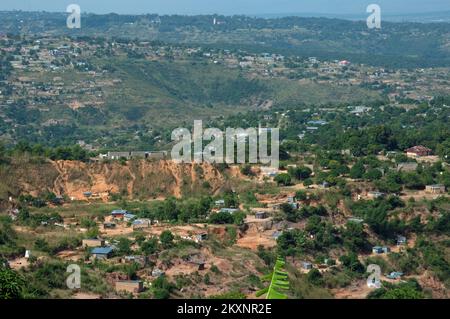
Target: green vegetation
278, 280
407, 290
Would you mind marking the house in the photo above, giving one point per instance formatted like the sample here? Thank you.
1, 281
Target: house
119, 213
375, 195
198, 261
141, 260
291, 199
229, 210
136, 155
128, 217
344, 63
325, 185
219, 203
356, 220
201, 265
359, 110
269, 171
109, 225
131, 286
58, 200
418, 151
201, 237
401, 240
261, 215
276, 234
318, 122
102, 252
395, 275
380, 250
87, 194
141, 223
94, 242
435, 189
377, 250
307, 265
157, 272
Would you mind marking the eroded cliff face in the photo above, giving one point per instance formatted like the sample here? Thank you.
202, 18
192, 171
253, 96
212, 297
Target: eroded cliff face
137, 179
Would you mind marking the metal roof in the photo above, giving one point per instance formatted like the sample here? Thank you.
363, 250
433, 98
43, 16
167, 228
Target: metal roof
102, 250
119, 212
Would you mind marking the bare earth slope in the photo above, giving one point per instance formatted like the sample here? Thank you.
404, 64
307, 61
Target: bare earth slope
136, 179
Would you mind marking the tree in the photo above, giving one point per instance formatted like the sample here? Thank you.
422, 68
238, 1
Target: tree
11, 284
373, 174
41, 245
162, 288
355, 237
150, 246
230, 199
405, 290
239, 218
301, 195
291, 242
412, 180
300, 173
291, 213
124, 246
2, 153
166, 238
352, 263
221, 218
314, 224
315, 277
170, 210
357, 171
283, 179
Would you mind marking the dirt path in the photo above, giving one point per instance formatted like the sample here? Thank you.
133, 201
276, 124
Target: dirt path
58, 184
130, 185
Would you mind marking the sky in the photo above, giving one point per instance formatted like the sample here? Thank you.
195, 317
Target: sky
229, 7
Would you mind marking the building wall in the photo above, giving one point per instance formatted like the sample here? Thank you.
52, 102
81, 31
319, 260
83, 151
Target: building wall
131, 287
435, 190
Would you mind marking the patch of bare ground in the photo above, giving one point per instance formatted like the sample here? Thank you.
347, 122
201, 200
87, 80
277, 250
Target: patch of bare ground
85, 296
70, 255
258, 233
18, 263
430, 283
138, 178
357, 290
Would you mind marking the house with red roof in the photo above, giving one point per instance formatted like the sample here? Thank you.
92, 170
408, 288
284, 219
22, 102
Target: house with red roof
418, 151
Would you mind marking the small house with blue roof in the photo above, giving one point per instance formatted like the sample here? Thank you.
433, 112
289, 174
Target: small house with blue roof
102, 252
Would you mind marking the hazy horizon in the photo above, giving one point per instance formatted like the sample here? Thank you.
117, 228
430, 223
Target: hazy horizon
247, 7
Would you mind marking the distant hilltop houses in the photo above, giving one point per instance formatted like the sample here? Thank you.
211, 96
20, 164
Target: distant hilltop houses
344, 63
133, 155
218, 22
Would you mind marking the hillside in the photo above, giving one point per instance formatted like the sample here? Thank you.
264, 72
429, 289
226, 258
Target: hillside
396, 44
135, 180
